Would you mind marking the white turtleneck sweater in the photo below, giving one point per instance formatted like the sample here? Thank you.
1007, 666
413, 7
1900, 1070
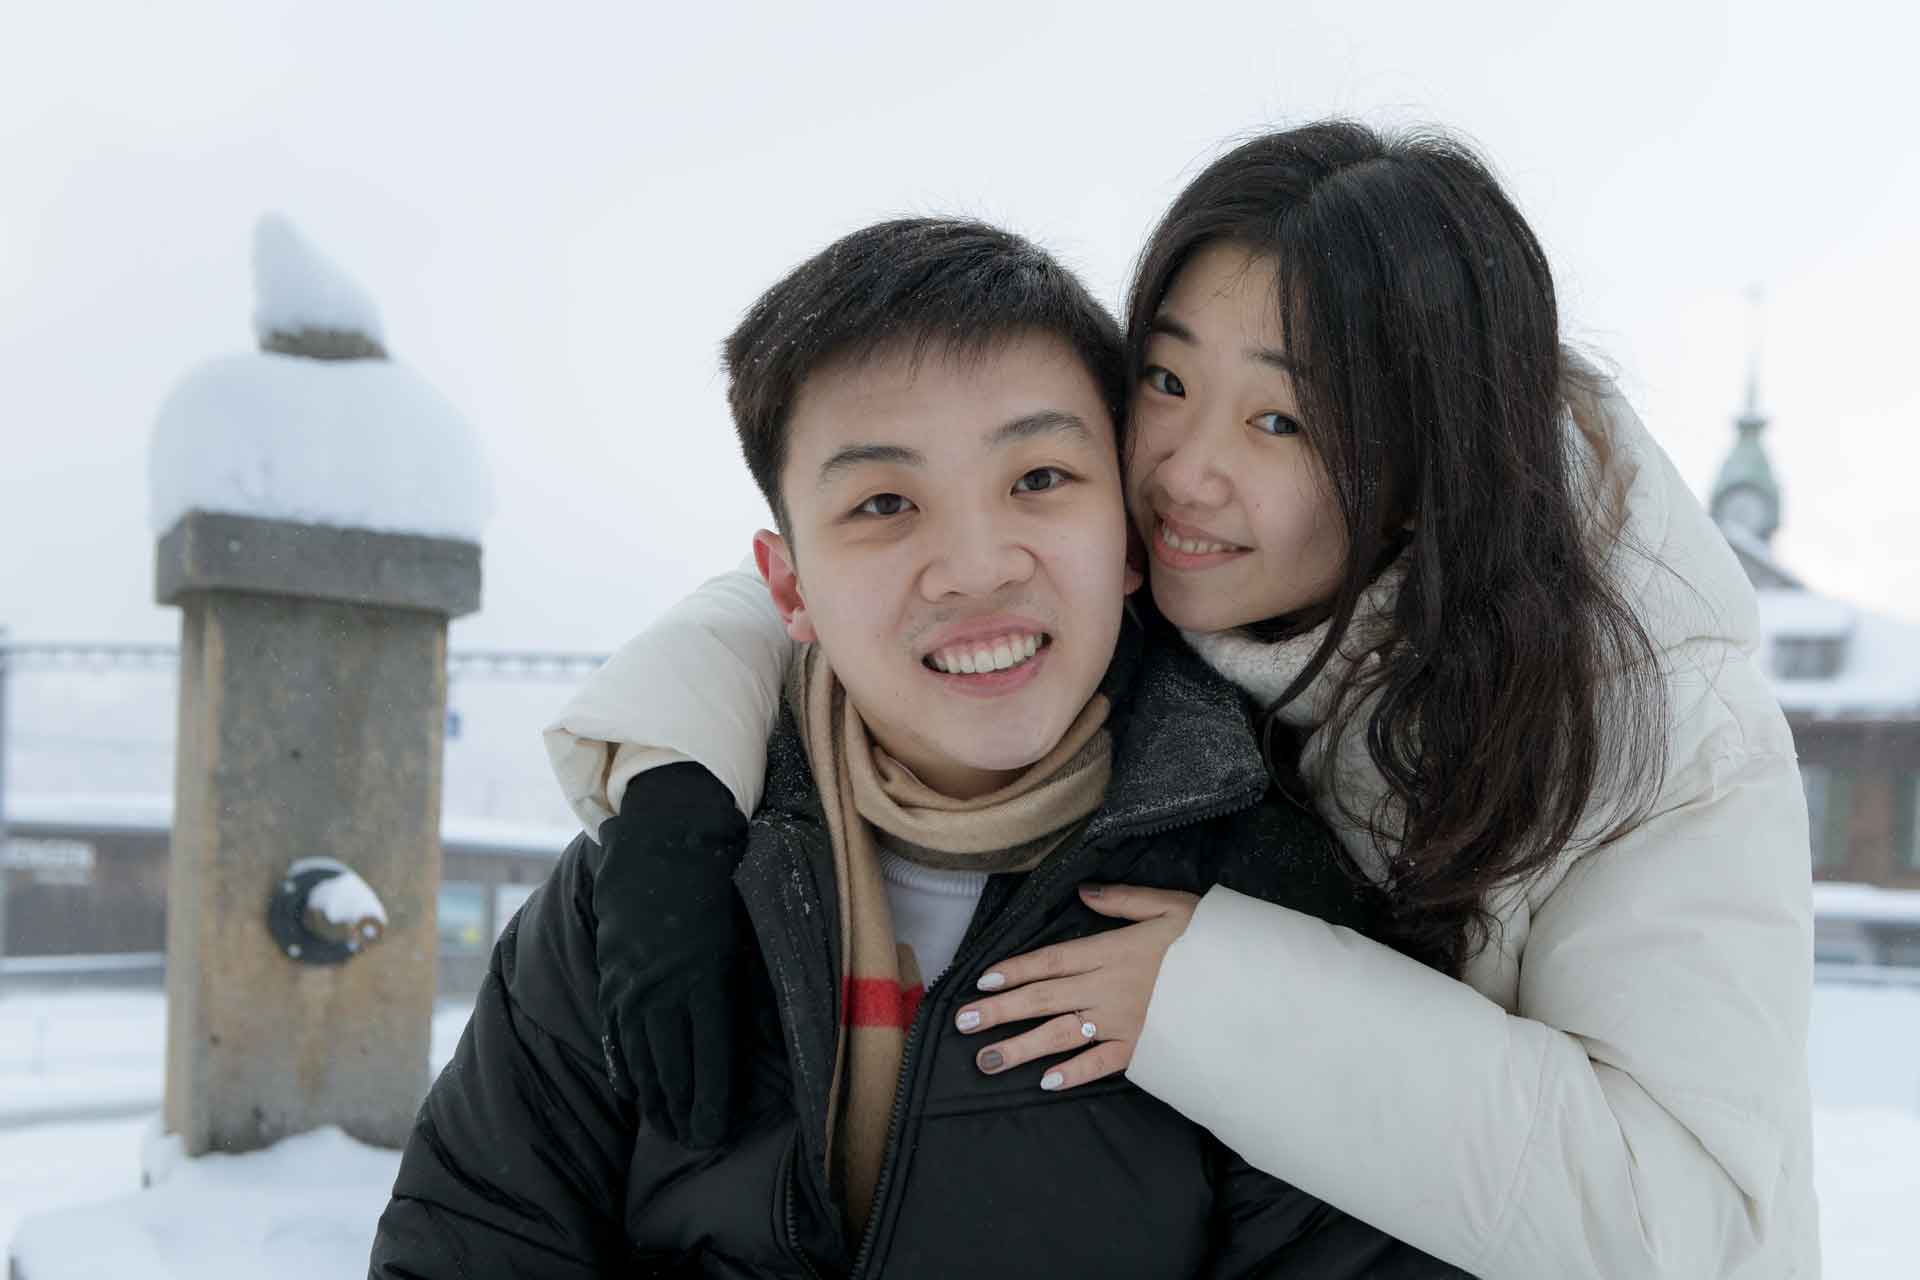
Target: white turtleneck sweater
931, 910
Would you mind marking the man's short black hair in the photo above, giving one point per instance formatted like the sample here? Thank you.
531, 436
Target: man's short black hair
950, 286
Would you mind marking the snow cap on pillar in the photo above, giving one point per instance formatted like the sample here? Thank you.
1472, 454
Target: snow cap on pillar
304, 304
319, 426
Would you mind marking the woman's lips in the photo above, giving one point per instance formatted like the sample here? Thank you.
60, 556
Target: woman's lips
1183, 547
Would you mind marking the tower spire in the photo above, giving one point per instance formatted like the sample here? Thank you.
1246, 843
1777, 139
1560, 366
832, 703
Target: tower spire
1756, 324
1746, 498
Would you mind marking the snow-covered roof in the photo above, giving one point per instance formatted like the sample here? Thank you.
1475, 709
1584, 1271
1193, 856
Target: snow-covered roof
350, 443
1805, 613
1756, 557
1879, 676
106, 812
155, 813
1834, 899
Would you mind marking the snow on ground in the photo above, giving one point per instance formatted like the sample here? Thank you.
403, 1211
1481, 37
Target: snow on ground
1863, 1051
53, 1166
305, 1207
1867, 1169
77, 1053
64, 1054
315, 1198
67, 1053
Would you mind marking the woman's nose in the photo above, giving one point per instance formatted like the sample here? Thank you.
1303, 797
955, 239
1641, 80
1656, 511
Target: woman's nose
1192, 471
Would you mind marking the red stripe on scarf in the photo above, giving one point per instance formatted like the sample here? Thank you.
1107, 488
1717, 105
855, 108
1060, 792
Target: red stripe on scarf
881, 1002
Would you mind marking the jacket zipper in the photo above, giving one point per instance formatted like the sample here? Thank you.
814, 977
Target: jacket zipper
766, 930
1032, 890
793, 1218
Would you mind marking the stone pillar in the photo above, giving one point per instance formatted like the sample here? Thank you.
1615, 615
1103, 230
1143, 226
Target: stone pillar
312, 708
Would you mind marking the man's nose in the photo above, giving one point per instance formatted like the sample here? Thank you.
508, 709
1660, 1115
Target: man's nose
976, 554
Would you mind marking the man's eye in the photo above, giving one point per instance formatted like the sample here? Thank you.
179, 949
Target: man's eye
1165, 381
1041, 479
883, 504
1274, 424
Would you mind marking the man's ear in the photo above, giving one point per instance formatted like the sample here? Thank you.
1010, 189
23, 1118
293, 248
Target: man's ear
775, 561
1136, 560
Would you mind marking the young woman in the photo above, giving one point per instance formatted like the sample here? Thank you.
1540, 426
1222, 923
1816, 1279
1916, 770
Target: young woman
1493, 639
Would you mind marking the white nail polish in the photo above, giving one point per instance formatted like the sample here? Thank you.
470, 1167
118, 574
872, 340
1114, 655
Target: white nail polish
967, 1021
991, 981
1052, 1080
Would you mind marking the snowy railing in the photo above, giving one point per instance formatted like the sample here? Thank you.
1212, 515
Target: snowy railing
1866, 975
528, 664
63, 966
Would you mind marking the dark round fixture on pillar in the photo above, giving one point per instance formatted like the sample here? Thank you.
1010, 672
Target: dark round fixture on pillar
322, 913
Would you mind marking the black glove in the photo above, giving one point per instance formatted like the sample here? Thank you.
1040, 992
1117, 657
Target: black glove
667, 927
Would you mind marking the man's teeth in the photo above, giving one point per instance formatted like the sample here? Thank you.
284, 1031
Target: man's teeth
1192, 546
978, 658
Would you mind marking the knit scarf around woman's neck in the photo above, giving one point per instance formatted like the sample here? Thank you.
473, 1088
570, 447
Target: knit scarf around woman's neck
1267, 669
861, 788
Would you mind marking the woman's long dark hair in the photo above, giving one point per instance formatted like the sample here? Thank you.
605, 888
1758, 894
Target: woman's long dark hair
1514, 681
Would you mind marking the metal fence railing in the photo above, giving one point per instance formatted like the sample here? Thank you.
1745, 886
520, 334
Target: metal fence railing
1866, 975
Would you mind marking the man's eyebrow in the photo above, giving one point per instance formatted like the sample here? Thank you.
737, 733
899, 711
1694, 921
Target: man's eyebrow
855, 455
1041, 422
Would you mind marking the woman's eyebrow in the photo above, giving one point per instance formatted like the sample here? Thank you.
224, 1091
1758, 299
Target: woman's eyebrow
1167, 326
1273, 357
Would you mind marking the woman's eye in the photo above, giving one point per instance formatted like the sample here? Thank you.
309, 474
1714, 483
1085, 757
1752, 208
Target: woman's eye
1041, 479
883, 504
1274, 424
1165, 381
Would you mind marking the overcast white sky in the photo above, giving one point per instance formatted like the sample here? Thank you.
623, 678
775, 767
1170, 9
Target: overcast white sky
562, 209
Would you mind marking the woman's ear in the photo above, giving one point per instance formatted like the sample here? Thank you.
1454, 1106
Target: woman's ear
774, 559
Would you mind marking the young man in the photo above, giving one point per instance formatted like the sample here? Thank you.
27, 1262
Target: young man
974, 729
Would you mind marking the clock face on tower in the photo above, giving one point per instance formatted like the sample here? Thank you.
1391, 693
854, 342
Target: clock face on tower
1747, 508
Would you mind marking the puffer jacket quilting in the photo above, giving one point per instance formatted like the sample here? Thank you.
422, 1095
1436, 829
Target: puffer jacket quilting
983, 1172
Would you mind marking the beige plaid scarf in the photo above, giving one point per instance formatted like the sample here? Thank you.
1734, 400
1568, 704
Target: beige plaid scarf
861, 787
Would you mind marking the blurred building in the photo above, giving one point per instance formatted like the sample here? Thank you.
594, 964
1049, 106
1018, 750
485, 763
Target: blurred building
83, 861
1849, 681
87, 882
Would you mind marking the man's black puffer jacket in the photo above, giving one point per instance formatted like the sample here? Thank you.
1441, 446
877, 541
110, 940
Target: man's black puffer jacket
525, 1163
